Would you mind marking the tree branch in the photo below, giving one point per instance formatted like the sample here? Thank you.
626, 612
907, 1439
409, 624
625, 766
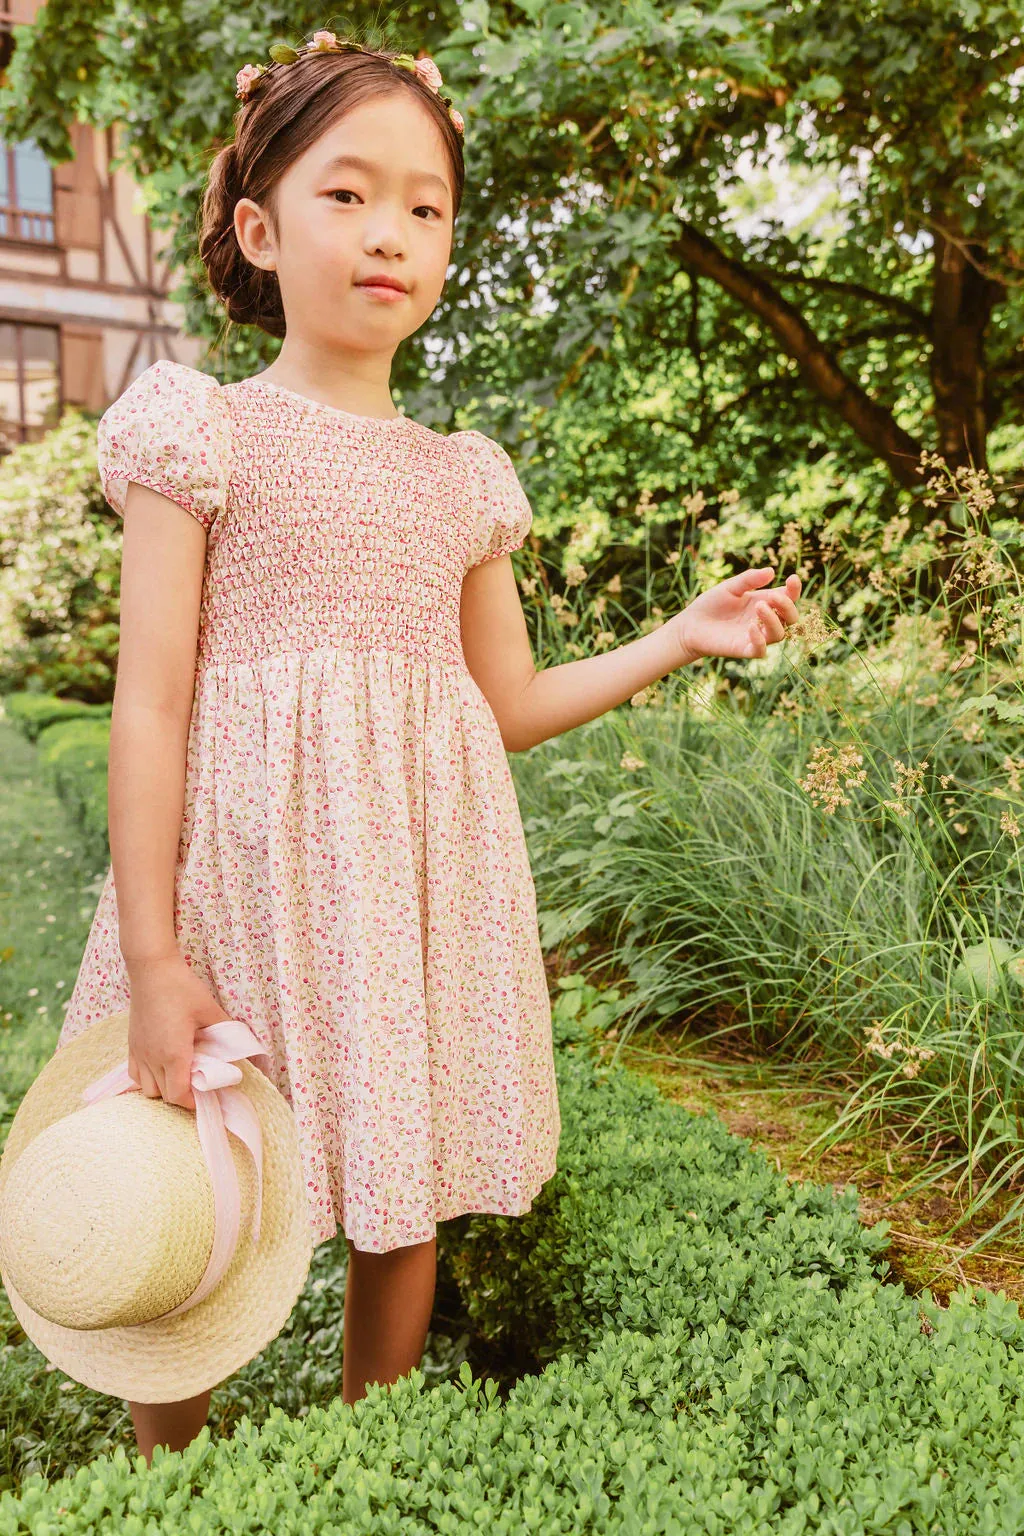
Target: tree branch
890, 301
873, 423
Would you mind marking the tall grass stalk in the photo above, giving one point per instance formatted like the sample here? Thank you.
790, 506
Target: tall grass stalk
809, 848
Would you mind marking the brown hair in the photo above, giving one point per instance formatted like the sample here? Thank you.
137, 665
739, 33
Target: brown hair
294, 105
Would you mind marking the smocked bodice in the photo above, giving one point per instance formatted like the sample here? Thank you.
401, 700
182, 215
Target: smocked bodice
324, 528
335, 531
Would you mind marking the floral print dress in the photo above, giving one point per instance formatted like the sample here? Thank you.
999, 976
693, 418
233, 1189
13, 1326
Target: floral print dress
352, 877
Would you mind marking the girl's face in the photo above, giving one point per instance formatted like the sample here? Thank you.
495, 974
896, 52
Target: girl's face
340, 223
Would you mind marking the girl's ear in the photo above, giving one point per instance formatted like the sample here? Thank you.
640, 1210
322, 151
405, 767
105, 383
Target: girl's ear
252, 234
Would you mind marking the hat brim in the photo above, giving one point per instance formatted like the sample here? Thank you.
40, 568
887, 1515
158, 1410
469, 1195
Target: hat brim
172, 1359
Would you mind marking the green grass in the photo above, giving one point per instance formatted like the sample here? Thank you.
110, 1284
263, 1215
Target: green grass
48, 894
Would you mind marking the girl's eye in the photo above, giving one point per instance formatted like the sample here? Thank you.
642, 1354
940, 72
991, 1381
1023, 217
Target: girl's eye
347, 192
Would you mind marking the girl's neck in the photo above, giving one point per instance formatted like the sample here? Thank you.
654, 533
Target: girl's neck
332, 385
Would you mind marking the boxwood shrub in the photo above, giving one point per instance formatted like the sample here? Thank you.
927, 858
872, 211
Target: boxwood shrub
31, 713
73, 741
707, 1347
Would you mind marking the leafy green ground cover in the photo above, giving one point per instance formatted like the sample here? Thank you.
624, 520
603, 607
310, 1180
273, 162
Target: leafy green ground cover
715, 1351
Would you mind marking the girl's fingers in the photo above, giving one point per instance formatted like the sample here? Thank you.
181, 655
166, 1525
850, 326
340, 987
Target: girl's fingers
148, 1083
772, 611
782, 599
782, 604
737, 585
773, 626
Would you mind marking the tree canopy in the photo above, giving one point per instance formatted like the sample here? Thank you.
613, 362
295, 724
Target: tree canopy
624, 271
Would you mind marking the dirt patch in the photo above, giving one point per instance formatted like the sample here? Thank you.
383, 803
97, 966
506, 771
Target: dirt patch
794, 1122
785, 1122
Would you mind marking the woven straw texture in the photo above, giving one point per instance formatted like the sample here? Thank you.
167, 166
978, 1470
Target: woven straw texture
167, 1250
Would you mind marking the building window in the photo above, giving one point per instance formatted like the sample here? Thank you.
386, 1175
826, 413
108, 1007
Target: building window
29, 382
26, 193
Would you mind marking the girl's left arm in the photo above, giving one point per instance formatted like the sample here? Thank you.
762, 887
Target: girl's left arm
736, 618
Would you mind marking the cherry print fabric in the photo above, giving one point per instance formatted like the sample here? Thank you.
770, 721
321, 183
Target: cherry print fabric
171, 433
352, 876
503, 514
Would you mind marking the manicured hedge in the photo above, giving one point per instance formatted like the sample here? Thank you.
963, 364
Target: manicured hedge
73, 757
73, 740
716, 1354
31, 713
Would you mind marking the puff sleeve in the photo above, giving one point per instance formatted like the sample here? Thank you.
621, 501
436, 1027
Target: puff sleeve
169, 431
500, 513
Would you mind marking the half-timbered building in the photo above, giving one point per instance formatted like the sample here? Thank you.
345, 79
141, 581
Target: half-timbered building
83, 283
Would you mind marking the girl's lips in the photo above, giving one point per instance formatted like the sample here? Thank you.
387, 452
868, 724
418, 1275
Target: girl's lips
381, 291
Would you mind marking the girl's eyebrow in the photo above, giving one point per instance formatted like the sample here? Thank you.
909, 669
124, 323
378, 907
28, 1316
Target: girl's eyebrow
357, 162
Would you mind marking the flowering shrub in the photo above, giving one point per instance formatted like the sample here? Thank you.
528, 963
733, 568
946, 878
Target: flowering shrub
60, 558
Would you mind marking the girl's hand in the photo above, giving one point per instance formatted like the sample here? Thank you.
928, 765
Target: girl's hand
736, 618
168, 1004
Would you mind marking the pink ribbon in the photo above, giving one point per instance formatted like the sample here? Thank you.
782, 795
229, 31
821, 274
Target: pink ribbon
221, 1106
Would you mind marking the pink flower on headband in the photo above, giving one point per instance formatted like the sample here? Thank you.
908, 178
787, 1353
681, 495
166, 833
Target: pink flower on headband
246, 75
429, 73
458, 119
324, 40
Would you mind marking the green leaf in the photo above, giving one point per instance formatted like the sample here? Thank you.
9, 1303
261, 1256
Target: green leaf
823, 88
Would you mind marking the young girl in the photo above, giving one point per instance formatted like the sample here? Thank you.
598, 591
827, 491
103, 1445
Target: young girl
323, 664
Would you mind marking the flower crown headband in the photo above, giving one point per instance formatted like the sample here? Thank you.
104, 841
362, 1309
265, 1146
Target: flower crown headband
249, 76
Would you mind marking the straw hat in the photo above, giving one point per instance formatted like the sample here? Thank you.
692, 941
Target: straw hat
145, 1251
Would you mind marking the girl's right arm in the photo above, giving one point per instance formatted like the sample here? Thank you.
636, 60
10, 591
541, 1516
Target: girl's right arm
162, 564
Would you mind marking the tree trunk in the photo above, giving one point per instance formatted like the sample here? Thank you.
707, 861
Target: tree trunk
963, 299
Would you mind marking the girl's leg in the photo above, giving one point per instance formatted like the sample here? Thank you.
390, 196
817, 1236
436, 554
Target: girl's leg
388, 1301
174, 1425
389, 1298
